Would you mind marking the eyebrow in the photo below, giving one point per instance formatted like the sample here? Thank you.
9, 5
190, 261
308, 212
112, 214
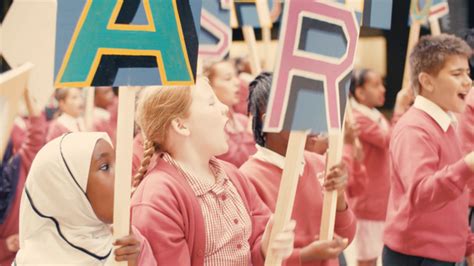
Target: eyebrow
103, 155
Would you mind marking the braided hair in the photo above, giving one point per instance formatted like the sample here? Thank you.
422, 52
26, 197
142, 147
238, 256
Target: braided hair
259, 92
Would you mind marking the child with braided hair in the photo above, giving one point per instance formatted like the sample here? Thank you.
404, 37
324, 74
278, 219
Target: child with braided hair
265, 168
193, 208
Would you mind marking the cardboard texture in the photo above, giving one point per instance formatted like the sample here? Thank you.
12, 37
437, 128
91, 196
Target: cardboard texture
215, 36
28, 33
12, 86
113, 43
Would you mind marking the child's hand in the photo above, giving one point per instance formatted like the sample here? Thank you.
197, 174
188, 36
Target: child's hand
282, 245
323, 249
13, 243
317, 143
405, 98
128, 250
351, 132
470, 260
469, 159
336, 179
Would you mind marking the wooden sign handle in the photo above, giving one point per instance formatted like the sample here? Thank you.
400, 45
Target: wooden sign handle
334, 155
286, 194
434, 26
267, 41
249, 36
123, 171
412, 40
89, 113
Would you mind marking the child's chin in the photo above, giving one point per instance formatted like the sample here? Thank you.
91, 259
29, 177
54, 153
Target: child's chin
459, 108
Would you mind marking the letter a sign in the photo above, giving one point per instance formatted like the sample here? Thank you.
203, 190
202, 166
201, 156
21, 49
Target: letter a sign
134, 42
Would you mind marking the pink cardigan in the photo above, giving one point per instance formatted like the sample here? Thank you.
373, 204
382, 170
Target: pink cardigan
167, 213
372, 172
35, 137
308, 205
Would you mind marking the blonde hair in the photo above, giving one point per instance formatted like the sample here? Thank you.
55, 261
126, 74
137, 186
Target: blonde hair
156, 109
431, 53
210, 67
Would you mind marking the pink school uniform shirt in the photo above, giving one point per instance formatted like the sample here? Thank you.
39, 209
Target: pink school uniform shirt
34, 140
428, 202
167, 211
466, 124
106, 121
466, 133
241, 142
264, 170
64, 124
373, 172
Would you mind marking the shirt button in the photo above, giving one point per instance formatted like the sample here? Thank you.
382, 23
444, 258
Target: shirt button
239, 246
224, 197
236, 221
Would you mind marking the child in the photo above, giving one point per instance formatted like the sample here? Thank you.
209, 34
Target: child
426, 217
265, 168
193, 208
13, 171
372, 171
105, 111
71, 106
224, 81
67, 206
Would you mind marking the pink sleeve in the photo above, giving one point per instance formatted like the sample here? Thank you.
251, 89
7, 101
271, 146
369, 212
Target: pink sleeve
35, 138
466, 128
356, 173
345, 224
372, 133
429, 187
146, 254
4, 252
162, 227
55, 130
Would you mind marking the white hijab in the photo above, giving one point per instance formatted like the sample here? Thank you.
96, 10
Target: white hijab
57, 222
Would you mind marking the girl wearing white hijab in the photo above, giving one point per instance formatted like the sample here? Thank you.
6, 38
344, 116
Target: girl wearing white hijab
67, 206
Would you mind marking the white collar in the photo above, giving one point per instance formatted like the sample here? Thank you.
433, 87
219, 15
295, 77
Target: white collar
442, 118
101, 113
271, 157
371, 113
71, 123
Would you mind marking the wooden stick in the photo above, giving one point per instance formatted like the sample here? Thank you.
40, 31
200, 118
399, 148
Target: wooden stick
286, 194
434, 26
267, 42
328, 218
12, 86
123, 171
249, 36
89, 113
412, 40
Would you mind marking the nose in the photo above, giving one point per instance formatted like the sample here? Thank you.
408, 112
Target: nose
467, 81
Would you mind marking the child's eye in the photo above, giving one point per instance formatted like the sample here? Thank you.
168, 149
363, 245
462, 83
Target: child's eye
104, 167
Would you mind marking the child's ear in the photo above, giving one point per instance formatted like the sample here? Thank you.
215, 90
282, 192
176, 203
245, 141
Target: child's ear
359, 93
426, 82
180, 127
